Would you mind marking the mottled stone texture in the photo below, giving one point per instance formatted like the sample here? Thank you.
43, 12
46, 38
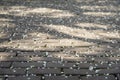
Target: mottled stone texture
59, 39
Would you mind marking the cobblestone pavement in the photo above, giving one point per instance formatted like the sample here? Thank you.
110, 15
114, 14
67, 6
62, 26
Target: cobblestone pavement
59, 39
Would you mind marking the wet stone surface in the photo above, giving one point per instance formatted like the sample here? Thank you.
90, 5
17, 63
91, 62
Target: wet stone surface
59, 40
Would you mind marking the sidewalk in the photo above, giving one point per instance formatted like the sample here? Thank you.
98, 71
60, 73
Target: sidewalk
59, 40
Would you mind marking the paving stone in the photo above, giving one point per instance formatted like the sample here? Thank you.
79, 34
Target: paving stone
61, 54
6, 71
108, 71
29, 59
88, 51
100, 59
45, 59
95, 65
62, 78
60, 65
44, 71
5, 64
110, 77
110, 59
78, 71
31, 53
64, 42
14, 59
84, 65
24, 78
91, 59
42, 54
7, 54
102, 65
107, 65
74, 59
30, 46
100, 50
27, 64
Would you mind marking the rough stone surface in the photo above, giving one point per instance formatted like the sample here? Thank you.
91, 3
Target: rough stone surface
59, 39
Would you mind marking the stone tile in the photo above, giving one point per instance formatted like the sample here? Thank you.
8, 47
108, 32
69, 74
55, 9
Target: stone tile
24, 78
62, 78
6, 71
44, 71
